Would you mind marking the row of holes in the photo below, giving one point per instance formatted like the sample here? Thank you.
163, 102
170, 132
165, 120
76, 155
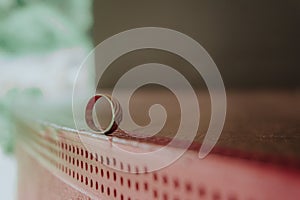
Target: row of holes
164, 178
70, 148
89, 182
81, 178
81, 152
255, 157
79, 163
97, 186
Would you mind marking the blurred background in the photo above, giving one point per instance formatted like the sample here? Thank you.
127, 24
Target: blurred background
255, 45
42, 43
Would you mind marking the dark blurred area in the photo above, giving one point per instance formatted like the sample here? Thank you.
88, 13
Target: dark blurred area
255, 44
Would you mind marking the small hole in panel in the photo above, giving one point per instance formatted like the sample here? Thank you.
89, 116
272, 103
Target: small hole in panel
155, 194
115, 193
201, 192
96, 169
188, 187
155, 176
91, 183
216, 196
121, 197
165, 179
128, 168
102, 173
129, 183
107, 174
86, 154
108, 191
121, 165
91, 168
121, 180
107, 160
102, 188
176, 183
165, 196
137, 186
86, 181
136, 170
96, 185
114, 176
146, 186
114, 162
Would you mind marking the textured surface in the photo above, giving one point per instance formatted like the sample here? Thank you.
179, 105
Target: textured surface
257, 122
257, 154
54, 164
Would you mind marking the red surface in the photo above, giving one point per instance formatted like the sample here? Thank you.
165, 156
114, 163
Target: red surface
53, 164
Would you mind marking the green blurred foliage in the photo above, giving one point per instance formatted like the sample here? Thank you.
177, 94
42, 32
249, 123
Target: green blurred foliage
44, 25
37, 26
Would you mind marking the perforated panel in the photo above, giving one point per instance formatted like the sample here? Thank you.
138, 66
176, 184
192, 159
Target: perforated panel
55, 159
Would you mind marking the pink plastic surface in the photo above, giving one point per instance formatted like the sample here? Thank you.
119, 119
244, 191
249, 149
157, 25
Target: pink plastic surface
53, 164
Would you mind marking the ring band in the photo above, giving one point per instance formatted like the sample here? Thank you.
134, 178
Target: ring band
116, 114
